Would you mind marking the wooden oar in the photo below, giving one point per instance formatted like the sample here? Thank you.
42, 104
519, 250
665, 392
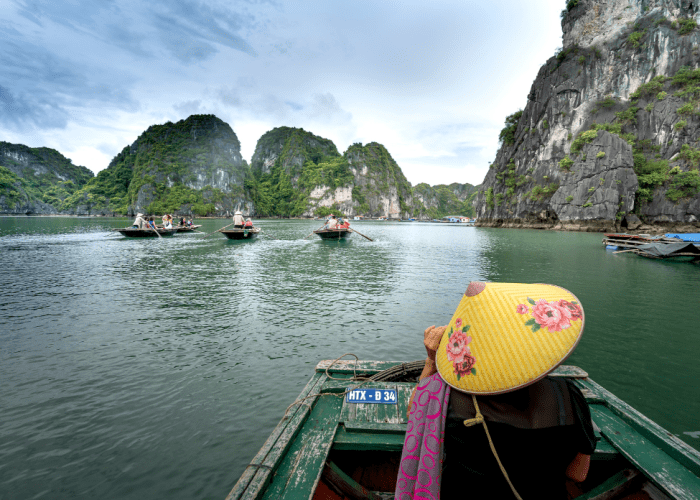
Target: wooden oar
370, 239
312, 232
155, 230
207, 236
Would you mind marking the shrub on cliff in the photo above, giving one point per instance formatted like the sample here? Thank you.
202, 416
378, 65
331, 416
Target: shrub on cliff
585, 137
566, 163
683, 185
653, 86
691, 155
507, 135
686, 25
650, 174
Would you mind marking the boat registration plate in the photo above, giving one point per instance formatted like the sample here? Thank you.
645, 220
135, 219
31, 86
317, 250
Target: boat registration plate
369, 395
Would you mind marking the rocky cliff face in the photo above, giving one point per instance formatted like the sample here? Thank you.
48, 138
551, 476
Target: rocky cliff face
434, 202
609, 133
290, 148
37, 180
378, 187
295, 172
192, 166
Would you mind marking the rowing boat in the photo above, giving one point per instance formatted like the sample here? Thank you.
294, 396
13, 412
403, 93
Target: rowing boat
241, 234
333, 234
132, 232
329, 448
187, 229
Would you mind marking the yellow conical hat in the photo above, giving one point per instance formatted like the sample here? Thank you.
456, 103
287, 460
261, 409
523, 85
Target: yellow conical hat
504, 336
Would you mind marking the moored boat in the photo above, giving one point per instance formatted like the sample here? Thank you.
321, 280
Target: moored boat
241, 234
329, 447
132, 232
333, 234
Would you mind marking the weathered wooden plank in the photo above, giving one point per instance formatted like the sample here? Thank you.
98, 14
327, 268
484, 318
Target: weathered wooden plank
405, 391
377, 427
568, 371
300, 470
605, 451
249, 484
365, 441
388, 414
592, 397
614, 486
371, 367
362, 368
346, 485
660, 437
365, 412
666, 473
341, 385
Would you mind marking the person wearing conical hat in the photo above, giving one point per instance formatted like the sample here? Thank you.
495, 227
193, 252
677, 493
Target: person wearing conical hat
485, 420
139, 222
238, 220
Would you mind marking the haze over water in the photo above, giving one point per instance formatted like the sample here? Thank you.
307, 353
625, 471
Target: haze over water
157, 368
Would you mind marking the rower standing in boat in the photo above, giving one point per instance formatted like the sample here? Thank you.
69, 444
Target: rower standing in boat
238, 220
538, 429
139, 222
332, 223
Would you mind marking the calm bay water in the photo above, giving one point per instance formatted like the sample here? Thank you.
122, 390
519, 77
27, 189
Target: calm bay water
157, 368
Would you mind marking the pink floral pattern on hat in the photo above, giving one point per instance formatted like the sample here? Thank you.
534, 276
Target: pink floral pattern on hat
458, 351
555, 316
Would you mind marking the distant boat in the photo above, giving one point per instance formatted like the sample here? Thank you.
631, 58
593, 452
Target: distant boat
187, 229
333, 234
241, 234
183, 229
132, 232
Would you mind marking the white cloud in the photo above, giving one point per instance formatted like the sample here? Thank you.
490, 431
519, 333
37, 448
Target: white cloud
432, 82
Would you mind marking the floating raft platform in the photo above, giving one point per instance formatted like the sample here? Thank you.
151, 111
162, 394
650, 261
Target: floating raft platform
654, 247
328, 449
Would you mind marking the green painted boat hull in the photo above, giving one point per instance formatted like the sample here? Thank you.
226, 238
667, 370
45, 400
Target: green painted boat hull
323, 441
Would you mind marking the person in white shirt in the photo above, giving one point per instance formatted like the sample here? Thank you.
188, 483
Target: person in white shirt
332, 223
139, 222
238, 220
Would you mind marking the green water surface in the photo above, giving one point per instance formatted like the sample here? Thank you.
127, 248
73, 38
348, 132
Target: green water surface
147, 368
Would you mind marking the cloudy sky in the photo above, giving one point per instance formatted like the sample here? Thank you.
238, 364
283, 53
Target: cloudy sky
432, 81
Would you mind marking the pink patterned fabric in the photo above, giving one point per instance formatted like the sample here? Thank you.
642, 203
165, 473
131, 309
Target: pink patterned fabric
421, 460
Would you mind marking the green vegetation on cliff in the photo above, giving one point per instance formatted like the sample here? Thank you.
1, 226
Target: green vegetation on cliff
442, 200
29, 175
193, 165
302, 161
378, 172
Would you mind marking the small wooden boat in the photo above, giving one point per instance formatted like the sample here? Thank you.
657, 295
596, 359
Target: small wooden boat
333, 234
327, 448
241, 234
187, 229
145, 233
